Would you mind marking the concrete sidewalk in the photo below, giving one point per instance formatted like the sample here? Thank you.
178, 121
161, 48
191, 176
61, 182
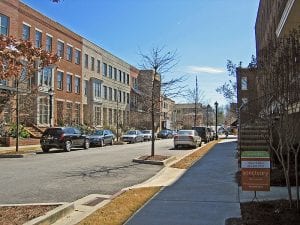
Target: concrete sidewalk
206, 194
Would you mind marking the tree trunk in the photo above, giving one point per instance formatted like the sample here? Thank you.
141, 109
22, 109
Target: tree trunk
297, 181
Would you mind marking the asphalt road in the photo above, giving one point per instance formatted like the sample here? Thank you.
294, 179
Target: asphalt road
67, 176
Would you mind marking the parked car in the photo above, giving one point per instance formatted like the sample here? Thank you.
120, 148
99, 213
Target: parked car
203, 133
101, 138
165, 134
133, 136
187, 138
63, 138
147, 135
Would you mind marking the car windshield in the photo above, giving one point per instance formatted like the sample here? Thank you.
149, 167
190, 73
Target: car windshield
131, 132
185, 132
98, 132
146, 131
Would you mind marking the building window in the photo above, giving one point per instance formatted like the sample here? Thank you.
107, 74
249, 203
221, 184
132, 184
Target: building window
45, 77
124, 77
69, 53
110, 94
77, 113
110, 116
4, 25
110, 71
98, 66
43, 111
97, 89
77, 56
115, 95
69, 83
244, 83
68, 115
77, 85
26, 32
86, 84
60, 49
92, 63
48, 43
60, 113
38, 39
120, 75
105, 69
115, 73
120, 96
127, 79
105, 92
128, 98
60, 76
86, 61
97, 116
124, 97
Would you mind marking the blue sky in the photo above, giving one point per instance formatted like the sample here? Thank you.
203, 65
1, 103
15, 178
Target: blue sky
205, 33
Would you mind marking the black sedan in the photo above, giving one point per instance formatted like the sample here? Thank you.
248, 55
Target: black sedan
101, 138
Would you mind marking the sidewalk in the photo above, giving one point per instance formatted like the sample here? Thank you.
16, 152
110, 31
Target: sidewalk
206, 194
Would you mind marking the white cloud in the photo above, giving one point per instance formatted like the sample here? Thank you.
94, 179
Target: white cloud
204, 69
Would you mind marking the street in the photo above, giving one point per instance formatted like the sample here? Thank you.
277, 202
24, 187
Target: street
67, 176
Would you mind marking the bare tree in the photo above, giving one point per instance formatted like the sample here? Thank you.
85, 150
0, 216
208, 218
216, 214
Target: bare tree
159, 63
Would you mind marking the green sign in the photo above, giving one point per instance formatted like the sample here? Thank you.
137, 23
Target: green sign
255, 154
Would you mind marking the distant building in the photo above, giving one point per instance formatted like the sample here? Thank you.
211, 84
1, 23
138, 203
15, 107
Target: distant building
167, 113
185, 116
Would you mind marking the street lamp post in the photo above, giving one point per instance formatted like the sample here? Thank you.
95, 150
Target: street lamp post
51, 93
216, 105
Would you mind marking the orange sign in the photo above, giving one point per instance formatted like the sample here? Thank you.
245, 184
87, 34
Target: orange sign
255, 172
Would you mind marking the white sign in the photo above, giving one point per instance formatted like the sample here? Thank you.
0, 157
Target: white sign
256, 164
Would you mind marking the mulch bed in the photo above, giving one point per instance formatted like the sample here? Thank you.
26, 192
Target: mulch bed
276, 212
17, 215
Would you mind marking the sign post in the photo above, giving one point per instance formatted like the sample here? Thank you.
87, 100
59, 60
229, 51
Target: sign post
255, 171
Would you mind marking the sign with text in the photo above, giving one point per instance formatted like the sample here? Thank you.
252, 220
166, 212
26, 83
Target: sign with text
255, 171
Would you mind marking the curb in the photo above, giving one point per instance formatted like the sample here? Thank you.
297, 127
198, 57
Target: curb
53, 215
153, 162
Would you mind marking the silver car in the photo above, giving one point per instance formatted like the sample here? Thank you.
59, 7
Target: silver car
133, 136
187, 138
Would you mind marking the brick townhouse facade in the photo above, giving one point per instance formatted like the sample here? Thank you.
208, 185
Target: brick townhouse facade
65, 80
260, 88
89, 85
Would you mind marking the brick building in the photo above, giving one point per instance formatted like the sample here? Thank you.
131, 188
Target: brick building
89, 85
268, 90
65, 80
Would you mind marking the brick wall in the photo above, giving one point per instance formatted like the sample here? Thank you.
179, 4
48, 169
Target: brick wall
9, 141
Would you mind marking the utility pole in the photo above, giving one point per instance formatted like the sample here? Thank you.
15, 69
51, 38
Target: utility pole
196, 102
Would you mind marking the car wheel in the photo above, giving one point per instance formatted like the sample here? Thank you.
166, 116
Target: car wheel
200, 143
86, 144
101, 143
45, 149
112, 141
68, 146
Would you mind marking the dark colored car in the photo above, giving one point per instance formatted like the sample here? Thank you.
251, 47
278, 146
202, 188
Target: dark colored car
102, 137
63, 138
165, 134
203, 133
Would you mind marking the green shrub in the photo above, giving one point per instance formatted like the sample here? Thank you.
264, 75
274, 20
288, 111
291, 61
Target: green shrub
22, 132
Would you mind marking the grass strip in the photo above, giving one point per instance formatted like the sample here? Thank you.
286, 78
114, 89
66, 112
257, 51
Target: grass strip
189, 160
121, 208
